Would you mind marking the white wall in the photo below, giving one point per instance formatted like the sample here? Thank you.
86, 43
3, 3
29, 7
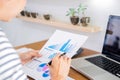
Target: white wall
21, 32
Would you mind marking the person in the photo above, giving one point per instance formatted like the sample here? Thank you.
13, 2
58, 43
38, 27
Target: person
10, 61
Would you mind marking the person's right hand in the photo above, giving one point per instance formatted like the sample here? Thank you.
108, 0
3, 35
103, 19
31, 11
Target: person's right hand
59, 68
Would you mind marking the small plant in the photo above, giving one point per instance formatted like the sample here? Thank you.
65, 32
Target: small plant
81, 9
71, 12
47, 16
73, 18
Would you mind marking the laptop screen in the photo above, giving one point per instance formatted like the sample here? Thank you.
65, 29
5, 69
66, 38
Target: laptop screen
111, 45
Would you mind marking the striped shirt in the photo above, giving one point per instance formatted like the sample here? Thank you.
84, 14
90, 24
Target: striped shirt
10, 65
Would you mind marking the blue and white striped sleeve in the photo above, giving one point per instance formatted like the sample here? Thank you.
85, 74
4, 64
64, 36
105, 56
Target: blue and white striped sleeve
10, 65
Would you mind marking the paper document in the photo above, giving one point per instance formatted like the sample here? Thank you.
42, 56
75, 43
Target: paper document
62, 42
59, 42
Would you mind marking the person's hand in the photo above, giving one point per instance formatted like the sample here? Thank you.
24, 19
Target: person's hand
59, 68
27, 56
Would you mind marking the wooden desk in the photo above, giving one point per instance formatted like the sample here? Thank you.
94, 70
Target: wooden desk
74, 74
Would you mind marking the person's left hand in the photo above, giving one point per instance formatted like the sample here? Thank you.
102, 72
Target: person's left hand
28, 56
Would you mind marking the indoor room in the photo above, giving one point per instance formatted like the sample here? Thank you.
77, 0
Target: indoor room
84, 32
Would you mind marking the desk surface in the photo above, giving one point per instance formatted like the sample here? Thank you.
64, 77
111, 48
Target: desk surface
74, 74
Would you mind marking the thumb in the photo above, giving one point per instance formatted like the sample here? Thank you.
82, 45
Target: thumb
35, 54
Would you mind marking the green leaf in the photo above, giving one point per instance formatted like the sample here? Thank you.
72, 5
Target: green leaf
71, 12
81, 8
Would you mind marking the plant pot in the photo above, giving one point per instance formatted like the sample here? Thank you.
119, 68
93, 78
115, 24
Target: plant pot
27, 14
46, 16
84, 21
22, 13
34, 15
74, 20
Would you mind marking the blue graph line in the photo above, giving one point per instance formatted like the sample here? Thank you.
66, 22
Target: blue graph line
51, 56
54, 46
63, 47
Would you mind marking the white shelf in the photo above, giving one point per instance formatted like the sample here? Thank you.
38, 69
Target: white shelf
62, 24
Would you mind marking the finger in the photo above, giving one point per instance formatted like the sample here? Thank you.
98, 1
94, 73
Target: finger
34, 51
37, 55
37, 51
61, 59
34, 54
69, 61
56, 60
57, 56
65, 57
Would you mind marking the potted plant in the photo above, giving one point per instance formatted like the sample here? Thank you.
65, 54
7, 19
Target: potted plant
46, 16
27, 14
34, 14
84, 20
72, 13
22, 13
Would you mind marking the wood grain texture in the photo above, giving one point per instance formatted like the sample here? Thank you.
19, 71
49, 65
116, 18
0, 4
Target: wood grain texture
63, 25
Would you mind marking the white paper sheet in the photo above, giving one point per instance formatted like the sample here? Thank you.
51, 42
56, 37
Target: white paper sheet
62, 42
36, 63
59, 42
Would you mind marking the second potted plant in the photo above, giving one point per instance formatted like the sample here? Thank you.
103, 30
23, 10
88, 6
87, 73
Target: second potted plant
84, 20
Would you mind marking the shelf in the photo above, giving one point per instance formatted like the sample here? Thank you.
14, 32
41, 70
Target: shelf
61, 24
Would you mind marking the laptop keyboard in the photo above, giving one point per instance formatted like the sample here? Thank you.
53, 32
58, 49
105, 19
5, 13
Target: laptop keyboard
106, 64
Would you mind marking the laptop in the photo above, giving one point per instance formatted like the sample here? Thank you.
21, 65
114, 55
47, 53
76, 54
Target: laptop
105, 66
